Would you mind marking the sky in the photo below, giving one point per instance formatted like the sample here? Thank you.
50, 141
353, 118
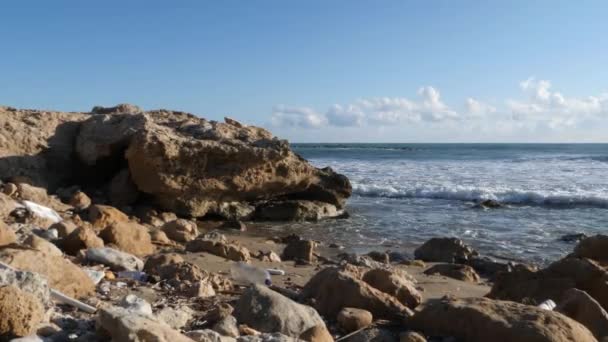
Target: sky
323, 71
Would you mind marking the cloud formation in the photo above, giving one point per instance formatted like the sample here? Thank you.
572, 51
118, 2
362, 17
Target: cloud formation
540, 106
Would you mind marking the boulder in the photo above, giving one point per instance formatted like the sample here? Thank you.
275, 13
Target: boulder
268, 311
129, 237
394, 284
181, 230
176, 318
20, 312
81, 238
379, 257
448, 250
61, 274
483, 319
488, 266
160, 238
335, 288
225, 250
582, 308
227, 327
318, 333
80, 201
121, 324
64, 228
7, 235
102, 216
156, 262
115, 259
42, 245
456, 271
121, 190
234, 211
594, 247
351, 319
32, 283
300, 250
295, 210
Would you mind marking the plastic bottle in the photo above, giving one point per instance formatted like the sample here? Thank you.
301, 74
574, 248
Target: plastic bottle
242, 272
547, 305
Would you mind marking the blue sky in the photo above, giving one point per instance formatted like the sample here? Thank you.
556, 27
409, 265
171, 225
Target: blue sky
378, 71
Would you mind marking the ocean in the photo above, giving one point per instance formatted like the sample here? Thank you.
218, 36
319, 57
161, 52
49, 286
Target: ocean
404, 194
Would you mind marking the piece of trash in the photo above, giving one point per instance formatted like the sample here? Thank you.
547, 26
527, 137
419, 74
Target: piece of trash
275, 271
96, 276
245, 273
135, 275
42, 211
547, 305
121, 284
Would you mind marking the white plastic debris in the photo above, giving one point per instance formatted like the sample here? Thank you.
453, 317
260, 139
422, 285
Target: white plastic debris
96, 276
249, 274
135, 304
275, 271
547, 305
42, 211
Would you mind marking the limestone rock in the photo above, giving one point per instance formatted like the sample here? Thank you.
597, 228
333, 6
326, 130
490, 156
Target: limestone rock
235, 211
40, 196
300, 250
136, 305
296, 210
581, 307
121, 190
456, 271
483, 319
227, 327
267, 337
123, 108
81, 238
62, 274
176, 318
159, 237
156, 262
7, 204
80, 200
102, 216
594, 247
335, 288
448, 250
318, 333
9, 189
20, 312
351, 319
268, 311
373, 335
29, 282
115, 259
181, 230
121, 324
42, 245
7, 235
395, 285
226, 250
129, 237
64, 228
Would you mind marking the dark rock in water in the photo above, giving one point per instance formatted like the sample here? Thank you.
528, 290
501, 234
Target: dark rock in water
488, 267
594, 247
488, 204
335, 245
448, 250
575, 237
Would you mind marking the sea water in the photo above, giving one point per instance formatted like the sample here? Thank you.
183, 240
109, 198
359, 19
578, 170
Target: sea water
404, 194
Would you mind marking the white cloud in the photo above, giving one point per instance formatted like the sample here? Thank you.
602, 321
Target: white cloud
349, 115
476, 109
297, 116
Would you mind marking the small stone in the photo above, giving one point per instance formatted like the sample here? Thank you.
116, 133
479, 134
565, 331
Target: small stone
416, 263
29, 282
20, 312
379, 257
181, 230
234, 224
206, 335
227, 327
411, 336
80, 200
200, 289
318, 333
129, 237
226, 250
159, 237
448, 250
156, 262
102, 216
176, 318
302, 250
269, 256
351, 319
81, 238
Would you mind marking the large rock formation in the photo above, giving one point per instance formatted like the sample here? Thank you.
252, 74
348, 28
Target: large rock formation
183, 163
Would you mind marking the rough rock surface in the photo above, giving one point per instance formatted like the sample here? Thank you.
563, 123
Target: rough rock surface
102, 216
62, 274
449, 250
268, 311
115, 259
296, 211
226, 250
20, 312
29, 282
483, 319
300, 250
7, 235
123, 325
42, 245
351, 319
335, 288
181, 230
395, 285
81, 238
129, 237
594, 247
411, 336
581, 307
456, 271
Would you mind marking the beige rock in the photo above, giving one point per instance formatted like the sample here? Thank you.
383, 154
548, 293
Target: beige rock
300, 250
7, 235
9, 189
81, 238
122, 191
226, 250
351, 319
7, 204
102, 216
62, 274
40, 196
395, 285
449, 250
411, 336
181, 230
157, 261
129, 237
42, 245
335, 288
64, 228
20, 312
80, 200
456, 271
199, 289
318, 333
122, 108
581, 307
296, 210
483, 319
159, 237
121, 324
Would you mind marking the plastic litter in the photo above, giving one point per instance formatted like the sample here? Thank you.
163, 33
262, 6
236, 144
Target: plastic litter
547, 305
135, 275
96, 276
275, 271
42, 211
245, 273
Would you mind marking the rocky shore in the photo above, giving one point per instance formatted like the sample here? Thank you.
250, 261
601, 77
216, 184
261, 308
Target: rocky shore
125, 225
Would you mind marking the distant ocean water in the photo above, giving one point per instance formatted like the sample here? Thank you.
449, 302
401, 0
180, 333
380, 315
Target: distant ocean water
404, 194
